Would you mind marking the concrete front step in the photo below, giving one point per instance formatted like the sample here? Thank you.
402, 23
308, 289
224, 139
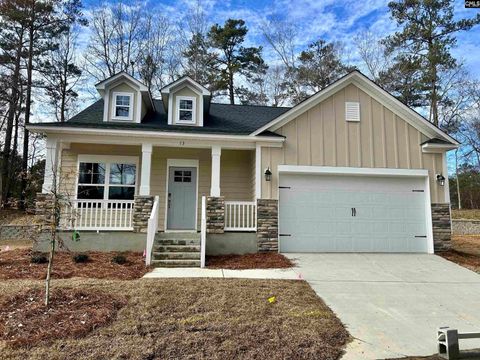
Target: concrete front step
178, 236
176, 248
176, 255
176, 263
177, 242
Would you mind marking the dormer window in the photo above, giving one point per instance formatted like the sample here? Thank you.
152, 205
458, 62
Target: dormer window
122, 106
186, 110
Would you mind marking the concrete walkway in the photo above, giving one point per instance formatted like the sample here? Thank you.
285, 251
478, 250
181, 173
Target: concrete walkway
392, 304
278, 274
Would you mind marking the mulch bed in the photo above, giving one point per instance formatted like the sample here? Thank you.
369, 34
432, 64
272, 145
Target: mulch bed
16, 264
249, 261
470, 261
25, 321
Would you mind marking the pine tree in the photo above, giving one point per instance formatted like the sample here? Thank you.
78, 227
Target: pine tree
319, 66
427, 37
234, 59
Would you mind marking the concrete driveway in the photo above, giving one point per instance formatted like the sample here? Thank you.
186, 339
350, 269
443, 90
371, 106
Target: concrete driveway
392, 304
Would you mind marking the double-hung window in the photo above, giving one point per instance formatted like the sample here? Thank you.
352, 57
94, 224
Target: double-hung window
122, 108
106, 180
186, 110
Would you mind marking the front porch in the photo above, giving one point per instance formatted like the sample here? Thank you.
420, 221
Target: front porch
142, 196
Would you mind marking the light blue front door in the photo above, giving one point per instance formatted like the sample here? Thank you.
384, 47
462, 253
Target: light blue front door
182, 198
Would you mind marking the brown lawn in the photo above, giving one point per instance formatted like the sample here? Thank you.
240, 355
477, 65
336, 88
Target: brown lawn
473, 214
16, 264
194, 319
249, 261
465, 251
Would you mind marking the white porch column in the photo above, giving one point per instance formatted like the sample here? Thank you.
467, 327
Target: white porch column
258, 172
215, 188
50, 165
146, 167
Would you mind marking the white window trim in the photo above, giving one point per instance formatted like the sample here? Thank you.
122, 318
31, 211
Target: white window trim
194, 110
181, 163
114, 106
107, 160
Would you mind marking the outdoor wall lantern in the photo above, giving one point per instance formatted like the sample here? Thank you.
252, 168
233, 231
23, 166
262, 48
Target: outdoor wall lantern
268, 174
441, 179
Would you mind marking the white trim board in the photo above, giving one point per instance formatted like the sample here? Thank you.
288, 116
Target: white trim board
372, 89
353, 171
181, 163
379, 172
139, 136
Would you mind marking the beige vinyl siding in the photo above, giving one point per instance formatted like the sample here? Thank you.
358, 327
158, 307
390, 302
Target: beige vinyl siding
322, 137
69, 161
236, 175
186, 91
236, 170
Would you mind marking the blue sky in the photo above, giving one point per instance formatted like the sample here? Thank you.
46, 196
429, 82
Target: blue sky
332, 20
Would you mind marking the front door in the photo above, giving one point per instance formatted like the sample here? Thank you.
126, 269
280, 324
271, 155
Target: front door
182, 198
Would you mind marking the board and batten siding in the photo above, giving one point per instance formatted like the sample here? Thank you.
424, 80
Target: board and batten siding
322, 137
235, 170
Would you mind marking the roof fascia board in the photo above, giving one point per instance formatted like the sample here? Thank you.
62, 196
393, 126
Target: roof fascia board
171, 87
400, 109
248, 144
372, 89
152, 134
101, 85
305, 105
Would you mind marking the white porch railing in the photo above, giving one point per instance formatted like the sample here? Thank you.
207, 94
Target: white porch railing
203, 232
152, 230
97, 215
240, 216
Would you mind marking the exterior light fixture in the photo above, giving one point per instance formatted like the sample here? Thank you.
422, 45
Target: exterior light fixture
441, 179
268, 174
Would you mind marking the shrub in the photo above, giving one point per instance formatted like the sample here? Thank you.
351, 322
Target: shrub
38, 259
80, 258
119, 259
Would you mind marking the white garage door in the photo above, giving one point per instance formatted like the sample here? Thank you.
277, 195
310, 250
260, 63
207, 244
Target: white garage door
336, 213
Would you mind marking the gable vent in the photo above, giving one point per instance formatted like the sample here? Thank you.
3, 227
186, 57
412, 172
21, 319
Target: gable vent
352, 111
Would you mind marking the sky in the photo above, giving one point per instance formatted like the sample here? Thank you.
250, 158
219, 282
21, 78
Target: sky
332, 20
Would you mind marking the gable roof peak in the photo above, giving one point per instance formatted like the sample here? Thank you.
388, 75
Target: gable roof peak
188, 80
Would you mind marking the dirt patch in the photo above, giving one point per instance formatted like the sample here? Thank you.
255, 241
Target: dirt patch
469, 244
465, 251
72, 314
16, 264
470, 214
16, 217
249, 261
199, 319
469, 261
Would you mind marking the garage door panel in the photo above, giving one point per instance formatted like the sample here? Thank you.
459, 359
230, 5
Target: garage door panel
317, 213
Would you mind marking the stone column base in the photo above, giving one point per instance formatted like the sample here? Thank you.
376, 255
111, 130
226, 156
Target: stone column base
215, 214
442, 227
142, 209
267, 225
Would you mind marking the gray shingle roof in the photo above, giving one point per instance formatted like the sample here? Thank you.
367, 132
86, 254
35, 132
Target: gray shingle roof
221, 119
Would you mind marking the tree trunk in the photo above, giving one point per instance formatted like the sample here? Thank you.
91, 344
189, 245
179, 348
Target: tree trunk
458, 180
12, 110
28, 101
230, 87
